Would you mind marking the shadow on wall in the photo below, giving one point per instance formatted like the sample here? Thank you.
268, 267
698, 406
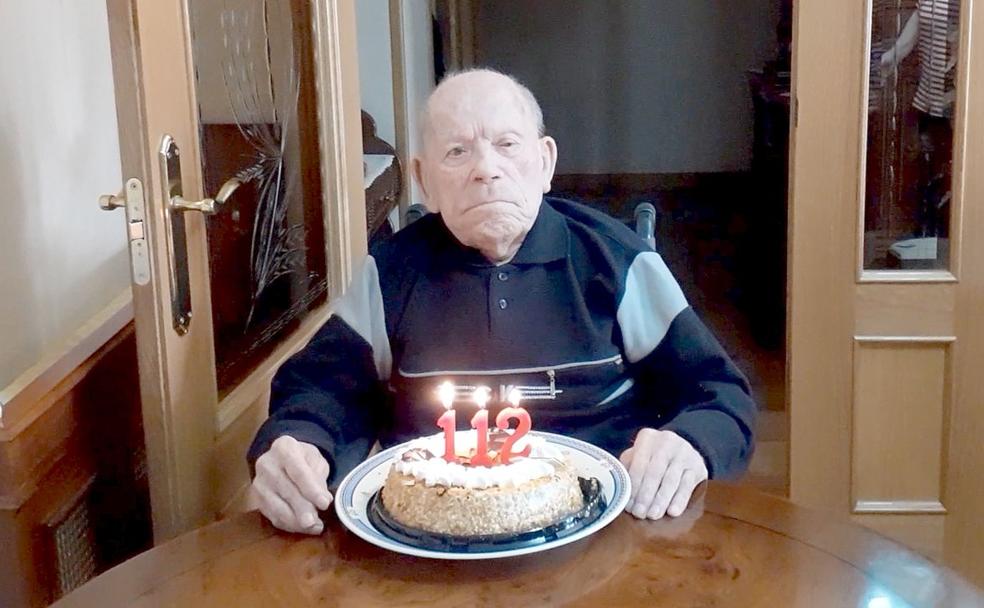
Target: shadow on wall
636, 87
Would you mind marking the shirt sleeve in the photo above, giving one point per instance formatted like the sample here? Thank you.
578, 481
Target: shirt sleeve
695, 389
330, 393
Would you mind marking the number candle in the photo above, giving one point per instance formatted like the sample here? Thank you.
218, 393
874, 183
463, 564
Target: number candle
445, 393
480, 422
502, 422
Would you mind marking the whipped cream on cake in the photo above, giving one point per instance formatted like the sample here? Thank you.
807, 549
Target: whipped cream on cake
424, 461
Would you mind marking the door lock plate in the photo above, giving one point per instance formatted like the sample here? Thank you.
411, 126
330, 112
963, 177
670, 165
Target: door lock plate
133, 194
177, 242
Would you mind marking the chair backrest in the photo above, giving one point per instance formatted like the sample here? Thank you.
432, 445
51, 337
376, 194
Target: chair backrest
415, 212
645, 223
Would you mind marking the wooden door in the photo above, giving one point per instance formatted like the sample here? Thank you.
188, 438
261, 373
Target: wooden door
264, 91
886, 202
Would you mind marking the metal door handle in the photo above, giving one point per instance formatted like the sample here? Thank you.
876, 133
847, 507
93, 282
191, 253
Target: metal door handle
208, 206
174, 226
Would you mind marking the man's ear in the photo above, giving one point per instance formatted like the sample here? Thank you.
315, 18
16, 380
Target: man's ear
417, 169
548, 156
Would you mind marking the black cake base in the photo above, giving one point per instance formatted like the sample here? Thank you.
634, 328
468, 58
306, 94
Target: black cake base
594, 506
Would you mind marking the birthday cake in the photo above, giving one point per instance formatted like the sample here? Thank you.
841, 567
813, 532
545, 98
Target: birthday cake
454, 497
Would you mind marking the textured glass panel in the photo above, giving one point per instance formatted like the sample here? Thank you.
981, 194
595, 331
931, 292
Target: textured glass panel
256, 95
908, 191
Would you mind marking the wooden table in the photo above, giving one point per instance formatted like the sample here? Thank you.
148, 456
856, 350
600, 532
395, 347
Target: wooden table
734, 547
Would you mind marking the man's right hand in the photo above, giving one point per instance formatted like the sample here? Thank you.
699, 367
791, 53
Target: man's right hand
291, 485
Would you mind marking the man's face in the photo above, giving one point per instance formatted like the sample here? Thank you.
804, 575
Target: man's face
484, 167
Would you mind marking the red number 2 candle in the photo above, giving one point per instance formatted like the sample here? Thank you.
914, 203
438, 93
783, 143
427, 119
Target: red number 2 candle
502, 422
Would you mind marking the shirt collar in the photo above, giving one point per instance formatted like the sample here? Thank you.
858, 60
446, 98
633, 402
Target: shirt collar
547, 240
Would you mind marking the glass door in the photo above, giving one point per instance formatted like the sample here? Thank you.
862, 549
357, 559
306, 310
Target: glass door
241, 146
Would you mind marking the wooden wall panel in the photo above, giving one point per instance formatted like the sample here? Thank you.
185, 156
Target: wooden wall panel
80, 450
898, 432
29, 574
924, 309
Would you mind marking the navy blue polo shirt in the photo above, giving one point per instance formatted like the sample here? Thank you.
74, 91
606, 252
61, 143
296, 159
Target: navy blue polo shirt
585, 320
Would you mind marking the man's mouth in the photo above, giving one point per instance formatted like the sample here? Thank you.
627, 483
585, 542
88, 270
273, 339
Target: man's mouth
490, 202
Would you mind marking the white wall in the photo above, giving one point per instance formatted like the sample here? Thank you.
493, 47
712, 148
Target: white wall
376, 65
61, 259
419, 56
636, 86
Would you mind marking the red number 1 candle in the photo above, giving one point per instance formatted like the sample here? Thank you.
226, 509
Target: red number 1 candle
445, 393
480, 422
502, 422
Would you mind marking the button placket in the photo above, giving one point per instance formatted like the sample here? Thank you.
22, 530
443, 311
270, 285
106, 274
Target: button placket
499, 290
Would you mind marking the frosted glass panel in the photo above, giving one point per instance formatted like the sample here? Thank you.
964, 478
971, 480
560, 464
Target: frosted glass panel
255, 85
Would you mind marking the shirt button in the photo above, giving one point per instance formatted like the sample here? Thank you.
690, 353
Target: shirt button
503, 304
503, 276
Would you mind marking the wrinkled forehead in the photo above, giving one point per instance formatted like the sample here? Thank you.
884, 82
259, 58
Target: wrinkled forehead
458, 110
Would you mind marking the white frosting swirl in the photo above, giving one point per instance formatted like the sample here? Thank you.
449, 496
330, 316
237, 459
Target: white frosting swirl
437, 471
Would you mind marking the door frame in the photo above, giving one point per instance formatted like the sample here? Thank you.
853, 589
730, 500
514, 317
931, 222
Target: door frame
964, 536
188, 453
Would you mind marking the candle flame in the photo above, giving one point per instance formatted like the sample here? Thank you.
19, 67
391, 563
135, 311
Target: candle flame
445, 392
514, 396
481, 396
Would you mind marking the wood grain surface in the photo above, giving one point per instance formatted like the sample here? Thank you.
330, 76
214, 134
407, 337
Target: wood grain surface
733, 547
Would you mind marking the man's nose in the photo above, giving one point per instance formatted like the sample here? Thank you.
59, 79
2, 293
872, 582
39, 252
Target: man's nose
487, 167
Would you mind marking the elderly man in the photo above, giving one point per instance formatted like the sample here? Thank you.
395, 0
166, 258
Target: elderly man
503, 287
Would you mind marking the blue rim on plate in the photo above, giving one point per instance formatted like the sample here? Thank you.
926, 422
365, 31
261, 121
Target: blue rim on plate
359, 486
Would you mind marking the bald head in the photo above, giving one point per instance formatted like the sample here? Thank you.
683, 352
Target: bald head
479, 80
484, 164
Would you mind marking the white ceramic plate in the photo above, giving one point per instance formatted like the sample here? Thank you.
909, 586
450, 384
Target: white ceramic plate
352, 498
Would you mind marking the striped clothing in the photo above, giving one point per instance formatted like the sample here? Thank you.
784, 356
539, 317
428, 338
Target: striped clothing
585, 316
939, 27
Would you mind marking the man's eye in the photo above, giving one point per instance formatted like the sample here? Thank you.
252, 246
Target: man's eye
456, 152
508, 144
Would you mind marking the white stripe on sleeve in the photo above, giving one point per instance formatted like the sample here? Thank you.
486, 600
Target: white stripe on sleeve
361, 306
651, 301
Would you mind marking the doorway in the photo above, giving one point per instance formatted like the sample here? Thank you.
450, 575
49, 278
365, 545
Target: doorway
684, 106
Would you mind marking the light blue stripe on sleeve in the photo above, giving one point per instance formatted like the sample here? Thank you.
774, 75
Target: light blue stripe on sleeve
651, 301
361, 306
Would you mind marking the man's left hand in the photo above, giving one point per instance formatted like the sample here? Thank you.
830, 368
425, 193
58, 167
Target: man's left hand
664, 469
